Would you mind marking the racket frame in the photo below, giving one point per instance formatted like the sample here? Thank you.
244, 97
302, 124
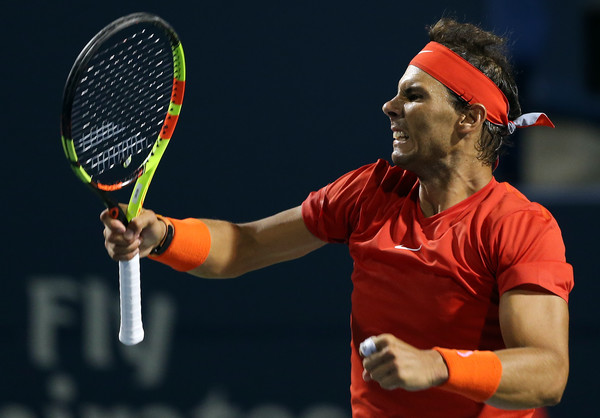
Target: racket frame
146, 171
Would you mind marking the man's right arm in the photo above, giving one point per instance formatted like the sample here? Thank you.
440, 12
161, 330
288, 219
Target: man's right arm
235, 248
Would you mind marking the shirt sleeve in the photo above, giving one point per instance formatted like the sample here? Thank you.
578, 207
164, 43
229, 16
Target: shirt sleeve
531, 251
331, 212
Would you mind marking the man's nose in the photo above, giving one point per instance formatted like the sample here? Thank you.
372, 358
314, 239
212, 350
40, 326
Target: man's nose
392, 107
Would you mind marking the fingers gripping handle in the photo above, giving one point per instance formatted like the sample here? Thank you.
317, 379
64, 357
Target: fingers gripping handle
132, 329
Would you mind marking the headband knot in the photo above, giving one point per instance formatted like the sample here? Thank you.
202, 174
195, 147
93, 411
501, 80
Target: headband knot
473, 86
529, 119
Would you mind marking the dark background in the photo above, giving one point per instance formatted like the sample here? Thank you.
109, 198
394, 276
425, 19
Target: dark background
281, 98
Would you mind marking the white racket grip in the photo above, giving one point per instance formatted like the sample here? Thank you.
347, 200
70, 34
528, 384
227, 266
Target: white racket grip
132, 329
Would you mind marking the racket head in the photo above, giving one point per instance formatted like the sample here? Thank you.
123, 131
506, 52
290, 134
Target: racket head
121, 103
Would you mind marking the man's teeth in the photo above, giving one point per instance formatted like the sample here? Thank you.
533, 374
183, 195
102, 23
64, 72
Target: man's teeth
400, 135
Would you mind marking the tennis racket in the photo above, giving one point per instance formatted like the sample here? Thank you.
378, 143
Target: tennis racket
120, 106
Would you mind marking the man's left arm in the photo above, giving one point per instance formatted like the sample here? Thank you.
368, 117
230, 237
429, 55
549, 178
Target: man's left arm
535, 363
532, 371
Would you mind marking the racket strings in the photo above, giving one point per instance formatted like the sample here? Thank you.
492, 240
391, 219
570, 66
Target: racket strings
121, 104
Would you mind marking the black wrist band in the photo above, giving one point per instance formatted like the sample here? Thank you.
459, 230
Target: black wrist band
162, 247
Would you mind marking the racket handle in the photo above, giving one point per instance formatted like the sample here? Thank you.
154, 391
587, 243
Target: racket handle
132, 329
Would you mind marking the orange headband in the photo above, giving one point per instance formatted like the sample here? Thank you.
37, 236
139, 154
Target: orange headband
472, 85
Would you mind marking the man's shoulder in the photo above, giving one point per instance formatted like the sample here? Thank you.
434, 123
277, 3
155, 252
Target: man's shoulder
388, 178
506, 200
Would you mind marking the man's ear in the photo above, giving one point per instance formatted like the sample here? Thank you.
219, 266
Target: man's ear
472, 120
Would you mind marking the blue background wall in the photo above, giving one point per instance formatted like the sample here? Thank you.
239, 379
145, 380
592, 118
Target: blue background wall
282, 97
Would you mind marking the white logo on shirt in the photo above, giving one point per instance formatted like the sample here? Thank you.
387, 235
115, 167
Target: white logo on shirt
402, 247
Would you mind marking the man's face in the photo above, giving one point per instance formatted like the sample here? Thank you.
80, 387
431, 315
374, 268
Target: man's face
423, 121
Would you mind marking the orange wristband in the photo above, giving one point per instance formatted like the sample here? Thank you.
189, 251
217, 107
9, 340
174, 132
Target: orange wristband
473, 374
189, 246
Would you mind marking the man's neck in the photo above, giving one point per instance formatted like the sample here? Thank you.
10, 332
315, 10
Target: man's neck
439, 193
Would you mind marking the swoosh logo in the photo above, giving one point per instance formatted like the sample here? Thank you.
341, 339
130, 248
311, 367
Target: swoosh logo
425, 50
402, 247
464, 353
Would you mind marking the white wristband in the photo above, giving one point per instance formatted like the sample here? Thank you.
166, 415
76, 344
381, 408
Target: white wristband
367, 347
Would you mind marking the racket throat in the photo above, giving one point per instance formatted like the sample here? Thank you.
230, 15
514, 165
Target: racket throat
113, 207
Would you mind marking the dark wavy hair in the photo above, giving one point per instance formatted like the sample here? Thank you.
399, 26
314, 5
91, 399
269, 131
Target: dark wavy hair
488, 53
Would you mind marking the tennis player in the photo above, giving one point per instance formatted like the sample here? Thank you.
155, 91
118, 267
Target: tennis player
460, 283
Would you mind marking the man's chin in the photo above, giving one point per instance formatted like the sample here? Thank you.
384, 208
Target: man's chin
405, 162
400, 160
